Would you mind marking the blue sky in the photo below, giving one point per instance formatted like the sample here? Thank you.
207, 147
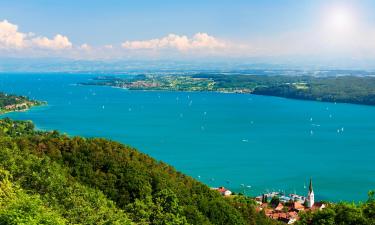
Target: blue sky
244, 28
102, 22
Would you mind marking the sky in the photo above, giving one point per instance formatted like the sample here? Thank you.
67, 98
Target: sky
325, 31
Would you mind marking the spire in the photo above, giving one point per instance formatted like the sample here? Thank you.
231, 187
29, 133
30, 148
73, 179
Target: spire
310, 186
310, 196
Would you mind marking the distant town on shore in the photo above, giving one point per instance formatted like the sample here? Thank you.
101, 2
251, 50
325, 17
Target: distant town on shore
345, 88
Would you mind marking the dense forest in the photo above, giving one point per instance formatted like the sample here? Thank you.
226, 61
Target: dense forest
50, 178
344, 89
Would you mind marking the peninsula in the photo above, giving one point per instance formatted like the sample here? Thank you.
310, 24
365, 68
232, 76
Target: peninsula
340, 88
12, 103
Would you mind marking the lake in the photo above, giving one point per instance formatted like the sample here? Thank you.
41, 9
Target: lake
245, 142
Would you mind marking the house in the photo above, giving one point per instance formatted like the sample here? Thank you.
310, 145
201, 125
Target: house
318, 206
297, 198
293, 214
16, 106
288, 207
223, 191
297, 206
279, 207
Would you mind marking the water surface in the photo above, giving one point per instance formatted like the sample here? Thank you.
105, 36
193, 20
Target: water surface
267, 143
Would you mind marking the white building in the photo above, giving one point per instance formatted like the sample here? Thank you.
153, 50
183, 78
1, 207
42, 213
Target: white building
223, 191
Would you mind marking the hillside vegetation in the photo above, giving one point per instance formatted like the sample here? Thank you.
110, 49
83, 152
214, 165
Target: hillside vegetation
50, 178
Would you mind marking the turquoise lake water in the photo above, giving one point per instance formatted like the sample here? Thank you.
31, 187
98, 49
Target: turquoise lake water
267, 143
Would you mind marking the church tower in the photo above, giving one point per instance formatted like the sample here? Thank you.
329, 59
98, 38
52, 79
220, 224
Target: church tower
310, 196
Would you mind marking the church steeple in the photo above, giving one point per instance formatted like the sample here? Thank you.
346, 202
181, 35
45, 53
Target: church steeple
310, 196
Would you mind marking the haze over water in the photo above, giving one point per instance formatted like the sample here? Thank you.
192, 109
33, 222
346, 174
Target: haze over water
267, 143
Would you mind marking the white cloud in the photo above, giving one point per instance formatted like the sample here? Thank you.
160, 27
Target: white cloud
203, 40
10, 37
179, 42
316, 41
85, 47
59, 42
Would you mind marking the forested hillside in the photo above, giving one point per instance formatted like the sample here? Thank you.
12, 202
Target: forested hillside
49, 178
344, 89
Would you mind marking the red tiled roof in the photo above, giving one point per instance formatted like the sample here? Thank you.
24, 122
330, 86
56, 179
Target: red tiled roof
298, 206
279, 207
222, 189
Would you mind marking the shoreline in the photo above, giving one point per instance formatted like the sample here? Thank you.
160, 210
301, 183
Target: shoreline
229, 92
2, 112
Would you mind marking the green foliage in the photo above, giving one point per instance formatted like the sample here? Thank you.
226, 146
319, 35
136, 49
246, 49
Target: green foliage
11, 128
346, 89
18, 207
369, 206
163, 209
47, 179
245, 206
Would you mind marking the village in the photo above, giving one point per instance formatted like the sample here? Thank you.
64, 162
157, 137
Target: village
280, 206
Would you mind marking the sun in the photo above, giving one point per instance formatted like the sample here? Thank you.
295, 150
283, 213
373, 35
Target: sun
339, 26
340, 19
